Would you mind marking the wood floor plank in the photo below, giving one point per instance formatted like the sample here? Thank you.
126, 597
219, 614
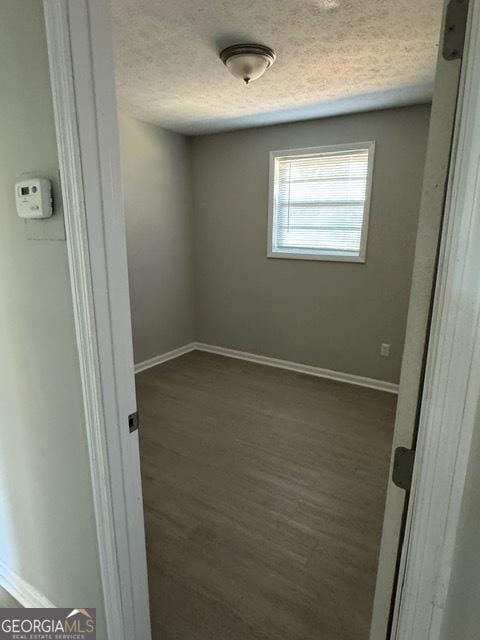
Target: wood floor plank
264, 492
7, 601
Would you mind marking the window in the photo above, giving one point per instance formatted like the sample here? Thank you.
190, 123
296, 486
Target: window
319, 202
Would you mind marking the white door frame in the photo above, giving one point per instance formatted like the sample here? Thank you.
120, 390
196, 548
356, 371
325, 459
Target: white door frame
83, 90
447, 96
450, 402
80, 52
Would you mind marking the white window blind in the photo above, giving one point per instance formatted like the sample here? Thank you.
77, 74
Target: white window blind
320, 202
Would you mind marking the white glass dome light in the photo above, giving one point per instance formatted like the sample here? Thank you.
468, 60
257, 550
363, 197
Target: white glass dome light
248, 61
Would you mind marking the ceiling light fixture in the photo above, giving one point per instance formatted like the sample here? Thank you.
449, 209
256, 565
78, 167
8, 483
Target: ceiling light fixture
248, 61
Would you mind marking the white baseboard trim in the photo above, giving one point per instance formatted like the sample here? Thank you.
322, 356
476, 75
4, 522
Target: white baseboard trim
22, 591
164, 357
339, 376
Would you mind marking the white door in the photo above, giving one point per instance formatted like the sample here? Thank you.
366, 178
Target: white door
82, 77
439, 153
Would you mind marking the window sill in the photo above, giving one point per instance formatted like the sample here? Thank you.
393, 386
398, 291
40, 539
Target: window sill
316, 256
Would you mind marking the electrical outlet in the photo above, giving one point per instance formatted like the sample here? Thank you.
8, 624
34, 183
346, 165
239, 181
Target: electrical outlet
385, 349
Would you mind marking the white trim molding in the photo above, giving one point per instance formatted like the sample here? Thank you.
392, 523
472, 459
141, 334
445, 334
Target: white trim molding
450, 410
65, 108
164, 357
82, 79
339, 376
22, 591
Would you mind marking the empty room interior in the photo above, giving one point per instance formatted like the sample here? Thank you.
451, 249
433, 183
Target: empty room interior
272, 164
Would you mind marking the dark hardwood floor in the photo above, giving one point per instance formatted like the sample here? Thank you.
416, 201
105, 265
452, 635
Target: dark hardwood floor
264, 494
7, 601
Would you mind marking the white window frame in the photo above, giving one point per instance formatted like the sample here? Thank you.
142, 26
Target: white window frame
328, 256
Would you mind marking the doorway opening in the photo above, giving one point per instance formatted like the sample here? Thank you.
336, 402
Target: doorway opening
271, 246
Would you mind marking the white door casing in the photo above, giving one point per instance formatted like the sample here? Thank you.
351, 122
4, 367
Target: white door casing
83, 90
450, 404
434, 186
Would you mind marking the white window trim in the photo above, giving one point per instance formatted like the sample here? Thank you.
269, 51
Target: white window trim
327, 256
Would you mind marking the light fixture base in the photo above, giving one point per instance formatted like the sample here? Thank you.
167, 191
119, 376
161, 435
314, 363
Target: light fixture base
247, 61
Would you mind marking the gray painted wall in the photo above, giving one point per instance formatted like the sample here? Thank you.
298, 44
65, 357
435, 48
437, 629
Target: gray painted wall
329, 314
158, 208
47, 527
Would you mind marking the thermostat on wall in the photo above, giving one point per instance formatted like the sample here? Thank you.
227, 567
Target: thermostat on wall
34, 198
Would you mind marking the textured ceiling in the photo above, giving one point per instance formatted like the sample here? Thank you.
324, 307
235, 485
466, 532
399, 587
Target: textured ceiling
334, 56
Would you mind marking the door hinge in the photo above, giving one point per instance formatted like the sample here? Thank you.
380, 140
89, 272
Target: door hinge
133, 422
455, 29
403, 467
